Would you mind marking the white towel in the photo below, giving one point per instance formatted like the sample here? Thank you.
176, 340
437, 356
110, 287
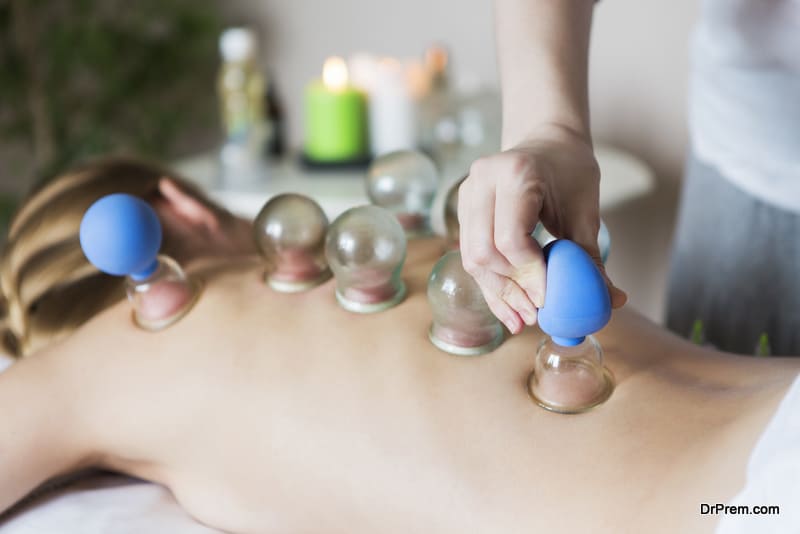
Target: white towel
101, 504
773, 476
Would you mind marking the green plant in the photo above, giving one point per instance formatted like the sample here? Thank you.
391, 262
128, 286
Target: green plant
697, 336
763, 348
86, 77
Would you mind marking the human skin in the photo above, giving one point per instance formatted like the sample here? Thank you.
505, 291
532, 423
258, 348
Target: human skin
272, 412
546, 171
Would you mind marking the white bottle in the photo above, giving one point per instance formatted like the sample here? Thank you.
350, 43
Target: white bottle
241, 87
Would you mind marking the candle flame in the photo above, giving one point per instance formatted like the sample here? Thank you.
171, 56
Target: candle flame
334, 73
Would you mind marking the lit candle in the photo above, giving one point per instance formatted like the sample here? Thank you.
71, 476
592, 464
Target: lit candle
336, 122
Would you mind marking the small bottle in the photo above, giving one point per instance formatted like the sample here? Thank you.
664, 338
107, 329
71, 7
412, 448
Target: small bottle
436, 61
438, 123
276, 121
242, 92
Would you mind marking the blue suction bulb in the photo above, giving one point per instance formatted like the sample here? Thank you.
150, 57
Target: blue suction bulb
577, 303
121, 235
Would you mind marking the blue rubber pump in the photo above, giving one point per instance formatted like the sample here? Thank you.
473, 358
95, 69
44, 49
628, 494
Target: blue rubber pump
121, 235
576, 302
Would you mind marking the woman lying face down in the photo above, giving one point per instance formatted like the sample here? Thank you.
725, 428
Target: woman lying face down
273, 412
49, 288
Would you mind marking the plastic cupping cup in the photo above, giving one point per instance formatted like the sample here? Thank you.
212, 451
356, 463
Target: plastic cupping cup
577, 303
121, 235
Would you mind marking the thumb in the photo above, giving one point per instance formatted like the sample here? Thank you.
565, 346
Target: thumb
618, 296
589, 244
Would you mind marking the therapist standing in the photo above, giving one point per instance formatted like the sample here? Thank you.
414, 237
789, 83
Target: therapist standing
736, 258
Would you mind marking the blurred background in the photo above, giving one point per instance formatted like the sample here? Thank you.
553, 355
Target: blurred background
80, 78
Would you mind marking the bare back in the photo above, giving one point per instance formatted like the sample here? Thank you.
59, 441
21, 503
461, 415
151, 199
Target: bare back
268, 412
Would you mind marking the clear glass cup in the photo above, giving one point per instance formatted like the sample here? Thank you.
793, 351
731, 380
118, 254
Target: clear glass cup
451, 224
405, 183
290, 234
462, 323
163, 297
570, 379
365, 249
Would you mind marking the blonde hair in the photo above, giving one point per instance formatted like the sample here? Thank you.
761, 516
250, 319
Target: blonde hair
48, 287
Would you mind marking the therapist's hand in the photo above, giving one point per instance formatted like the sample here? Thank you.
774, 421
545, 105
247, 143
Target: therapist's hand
551, 176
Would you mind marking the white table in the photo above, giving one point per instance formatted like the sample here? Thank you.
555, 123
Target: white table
624, 177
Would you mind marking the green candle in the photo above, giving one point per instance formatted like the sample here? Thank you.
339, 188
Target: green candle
336, 116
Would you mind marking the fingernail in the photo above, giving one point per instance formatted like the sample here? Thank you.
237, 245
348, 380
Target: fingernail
538, 300
513, 325
528, 315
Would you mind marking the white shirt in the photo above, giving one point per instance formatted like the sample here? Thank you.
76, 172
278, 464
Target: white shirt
745, 96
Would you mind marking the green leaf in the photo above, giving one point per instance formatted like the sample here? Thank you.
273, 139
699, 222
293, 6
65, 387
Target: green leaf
763, 349
698, 335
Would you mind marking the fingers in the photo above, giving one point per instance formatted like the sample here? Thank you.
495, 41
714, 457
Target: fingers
516, 214
492, 272
507, 300
476, 200
618, 296
500, 203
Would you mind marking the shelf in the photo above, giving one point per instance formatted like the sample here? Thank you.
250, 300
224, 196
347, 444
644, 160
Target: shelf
624, 177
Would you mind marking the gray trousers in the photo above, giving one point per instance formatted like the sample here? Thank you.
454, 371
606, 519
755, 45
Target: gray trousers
735, 266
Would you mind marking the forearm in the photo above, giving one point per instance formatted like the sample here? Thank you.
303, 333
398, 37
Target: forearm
543, 48
38, 439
